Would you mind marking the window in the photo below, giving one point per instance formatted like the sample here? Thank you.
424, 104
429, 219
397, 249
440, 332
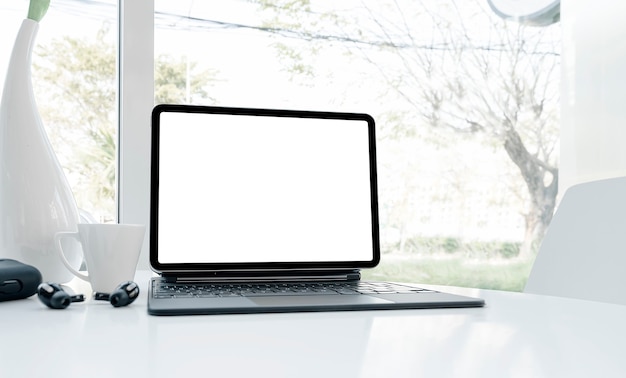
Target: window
462, 100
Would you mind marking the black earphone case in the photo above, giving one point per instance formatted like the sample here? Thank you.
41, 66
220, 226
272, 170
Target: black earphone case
17, 280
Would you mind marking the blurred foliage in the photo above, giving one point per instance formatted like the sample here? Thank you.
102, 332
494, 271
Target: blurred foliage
75, 83
454, 270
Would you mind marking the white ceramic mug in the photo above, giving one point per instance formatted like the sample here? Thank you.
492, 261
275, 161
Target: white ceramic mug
111, 252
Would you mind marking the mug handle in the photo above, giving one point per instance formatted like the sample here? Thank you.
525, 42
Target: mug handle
59, 248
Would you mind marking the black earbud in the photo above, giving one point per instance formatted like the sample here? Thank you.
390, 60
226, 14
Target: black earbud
53, 296
123, 295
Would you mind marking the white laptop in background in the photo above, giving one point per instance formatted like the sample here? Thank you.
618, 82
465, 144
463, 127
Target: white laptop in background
259, 210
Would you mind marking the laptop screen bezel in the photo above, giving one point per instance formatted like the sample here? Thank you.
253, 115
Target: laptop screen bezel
160, 267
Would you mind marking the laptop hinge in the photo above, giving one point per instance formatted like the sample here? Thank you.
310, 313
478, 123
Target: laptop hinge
352, 275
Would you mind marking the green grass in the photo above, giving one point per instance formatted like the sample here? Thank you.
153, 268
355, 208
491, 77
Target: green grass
497, 274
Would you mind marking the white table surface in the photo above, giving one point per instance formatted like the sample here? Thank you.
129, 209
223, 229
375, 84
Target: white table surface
515, 335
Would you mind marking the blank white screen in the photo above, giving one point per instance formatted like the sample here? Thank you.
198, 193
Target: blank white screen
238, 189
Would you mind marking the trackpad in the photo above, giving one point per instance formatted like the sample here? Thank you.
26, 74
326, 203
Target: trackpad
318, 300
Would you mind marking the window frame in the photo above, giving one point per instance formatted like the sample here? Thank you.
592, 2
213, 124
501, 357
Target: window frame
135, 102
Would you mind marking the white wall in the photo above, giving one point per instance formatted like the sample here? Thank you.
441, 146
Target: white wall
593, 130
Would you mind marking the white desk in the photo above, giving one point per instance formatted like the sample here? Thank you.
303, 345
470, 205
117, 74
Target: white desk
515, 335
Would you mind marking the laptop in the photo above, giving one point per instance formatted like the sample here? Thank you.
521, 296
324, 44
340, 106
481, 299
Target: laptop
264, 210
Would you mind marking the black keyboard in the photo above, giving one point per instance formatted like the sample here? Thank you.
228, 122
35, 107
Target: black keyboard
163, 289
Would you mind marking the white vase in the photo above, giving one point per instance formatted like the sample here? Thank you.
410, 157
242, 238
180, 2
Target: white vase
35, 198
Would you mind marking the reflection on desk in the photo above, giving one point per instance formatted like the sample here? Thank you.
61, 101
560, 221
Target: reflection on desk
515, 335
